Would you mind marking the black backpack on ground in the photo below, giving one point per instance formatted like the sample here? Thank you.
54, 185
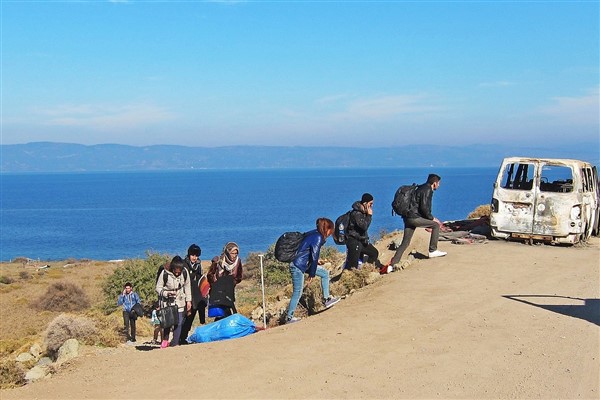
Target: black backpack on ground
287, 246
403, 199
340, 230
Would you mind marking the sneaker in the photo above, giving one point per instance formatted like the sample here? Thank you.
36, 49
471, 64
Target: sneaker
292, 320
331, 301
130, 342
437, 253
164, 344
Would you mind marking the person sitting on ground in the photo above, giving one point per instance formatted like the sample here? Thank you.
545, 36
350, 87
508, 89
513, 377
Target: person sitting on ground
174, 288
419, 216
224, 274
192, 263
128, 299
357, 242
307, 261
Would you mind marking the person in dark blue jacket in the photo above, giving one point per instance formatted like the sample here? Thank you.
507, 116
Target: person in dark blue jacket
307, 262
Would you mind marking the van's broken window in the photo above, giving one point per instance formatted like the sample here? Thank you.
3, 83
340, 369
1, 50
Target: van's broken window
518, 176
556, 178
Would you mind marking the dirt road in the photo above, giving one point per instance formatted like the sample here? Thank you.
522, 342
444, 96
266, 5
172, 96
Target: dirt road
496, 320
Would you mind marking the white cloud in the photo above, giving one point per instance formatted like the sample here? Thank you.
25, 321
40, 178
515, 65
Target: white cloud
583, 110
105, 116
384, 107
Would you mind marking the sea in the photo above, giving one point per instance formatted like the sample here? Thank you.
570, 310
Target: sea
121, 215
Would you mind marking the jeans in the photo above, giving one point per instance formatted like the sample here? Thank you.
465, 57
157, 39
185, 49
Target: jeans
410, 224
128, 321
356, 249
298, 283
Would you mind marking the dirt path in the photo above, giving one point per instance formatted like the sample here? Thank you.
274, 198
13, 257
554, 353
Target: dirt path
499, 320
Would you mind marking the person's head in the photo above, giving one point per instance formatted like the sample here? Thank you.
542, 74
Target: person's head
128, 287
367, 199
434, 181
231, 251
194, 252
156, 305
324, 227
176, 265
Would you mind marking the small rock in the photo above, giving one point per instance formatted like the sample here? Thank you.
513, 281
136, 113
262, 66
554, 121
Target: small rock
44, 361
36, 373
35, 350
24, 357
69, 350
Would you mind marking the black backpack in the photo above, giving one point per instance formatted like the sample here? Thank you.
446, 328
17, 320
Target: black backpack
340, 230
403, 199
287, 246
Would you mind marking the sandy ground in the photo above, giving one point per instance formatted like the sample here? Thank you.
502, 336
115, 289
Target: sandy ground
495, 320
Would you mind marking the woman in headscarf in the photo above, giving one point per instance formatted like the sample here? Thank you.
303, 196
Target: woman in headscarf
225, 272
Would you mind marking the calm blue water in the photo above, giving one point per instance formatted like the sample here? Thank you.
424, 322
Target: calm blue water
122, 215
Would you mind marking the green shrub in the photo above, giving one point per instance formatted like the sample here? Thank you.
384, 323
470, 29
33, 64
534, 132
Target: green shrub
63, 296
7, 280
142, 275
65, 327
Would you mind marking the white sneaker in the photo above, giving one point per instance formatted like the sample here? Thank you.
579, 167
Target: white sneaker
437, 253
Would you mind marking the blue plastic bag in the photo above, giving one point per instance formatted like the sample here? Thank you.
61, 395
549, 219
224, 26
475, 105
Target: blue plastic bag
233, 326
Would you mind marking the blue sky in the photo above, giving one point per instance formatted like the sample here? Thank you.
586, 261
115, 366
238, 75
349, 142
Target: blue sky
360, 74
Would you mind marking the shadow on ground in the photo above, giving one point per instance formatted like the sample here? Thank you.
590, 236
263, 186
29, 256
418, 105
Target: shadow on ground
589, 310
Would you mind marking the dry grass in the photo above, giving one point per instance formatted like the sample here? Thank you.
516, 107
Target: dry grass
63, 296
481, 211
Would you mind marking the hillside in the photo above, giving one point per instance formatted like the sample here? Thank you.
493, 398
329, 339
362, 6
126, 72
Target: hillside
68, 157
495, 320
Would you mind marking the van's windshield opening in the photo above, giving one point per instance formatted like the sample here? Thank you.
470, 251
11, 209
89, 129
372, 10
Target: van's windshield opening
518, 176
556, 178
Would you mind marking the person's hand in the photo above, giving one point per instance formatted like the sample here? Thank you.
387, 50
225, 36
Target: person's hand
309, 280
320, 262
189, 307
369, 208
124, 292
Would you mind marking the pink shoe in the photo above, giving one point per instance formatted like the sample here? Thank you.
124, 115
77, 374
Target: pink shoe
164, 344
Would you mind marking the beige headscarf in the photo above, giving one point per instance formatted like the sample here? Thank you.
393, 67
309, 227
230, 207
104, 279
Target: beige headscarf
228, 263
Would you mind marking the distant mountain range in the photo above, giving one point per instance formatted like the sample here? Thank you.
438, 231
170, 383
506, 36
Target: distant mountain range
69, 157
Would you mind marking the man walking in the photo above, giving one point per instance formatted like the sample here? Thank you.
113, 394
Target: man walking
419, 216
128, 299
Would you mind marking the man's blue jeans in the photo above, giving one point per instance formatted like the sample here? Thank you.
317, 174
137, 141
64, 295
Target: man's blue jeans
298, 283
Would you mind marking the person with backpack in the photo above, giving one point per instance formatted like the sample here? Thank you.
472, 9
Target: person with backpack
173, 287
194, 269
128, 299
418, 215
357, 236
224, 274
307, 261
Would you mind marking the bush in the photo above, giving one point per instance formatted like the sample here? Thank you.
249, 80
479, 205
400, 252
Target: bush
481, 211
11, 374
142, 275
7, 280
24, 275
63, 296
66, 327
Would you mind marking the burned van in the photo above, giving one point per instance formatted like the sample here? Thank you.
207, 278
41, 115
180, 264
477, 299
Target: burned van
548, 200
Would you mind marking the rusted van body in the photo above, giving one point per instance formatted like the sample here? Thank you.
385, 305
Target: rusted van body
549, 200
